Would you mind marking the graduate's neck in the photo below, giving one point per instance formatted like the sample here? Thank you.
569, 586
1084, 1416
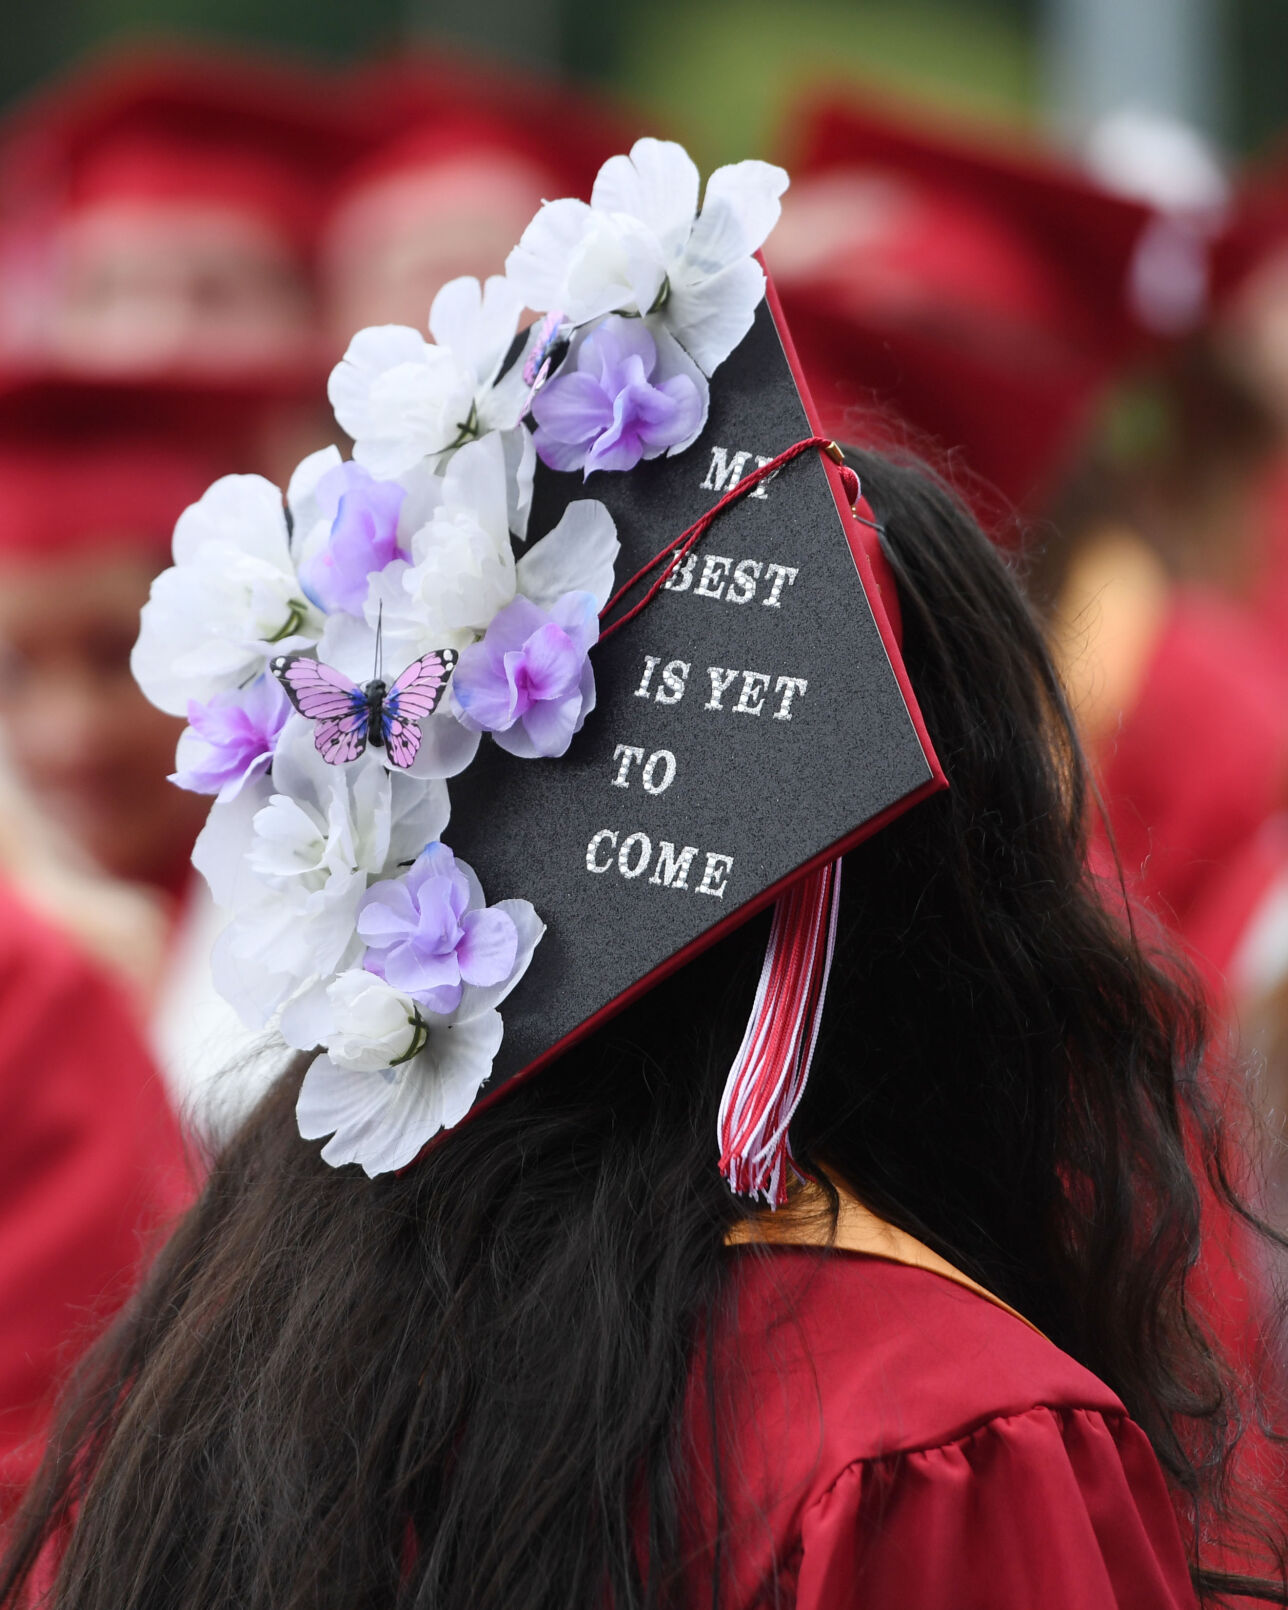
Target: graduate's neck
807, 1220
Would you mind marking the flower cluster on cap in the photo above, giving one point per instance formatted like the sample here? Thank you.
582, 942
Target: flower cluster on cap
351, 925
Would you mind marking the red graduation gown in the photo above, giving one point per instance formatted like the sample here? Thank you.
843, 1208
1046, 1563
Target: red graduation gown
903, 1442
92, 1168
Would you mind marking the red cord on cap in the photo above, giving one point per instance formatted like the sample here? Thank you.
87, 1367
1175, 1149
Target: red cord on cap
850, 481
678, 551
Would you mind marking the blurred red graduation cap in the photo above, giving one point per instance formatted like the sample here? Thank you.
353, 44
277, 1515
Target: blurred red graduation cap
158, 211
974, 298
436, 106
91, 467
1255, 236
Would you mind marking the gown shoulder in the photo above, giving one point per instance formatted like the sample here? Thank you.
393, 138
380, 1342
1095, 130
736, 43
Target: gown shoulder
894, 1439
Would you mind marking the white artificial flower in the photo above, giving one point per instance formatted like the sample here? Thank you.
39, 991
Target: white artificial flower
577, 556
520, 472
404, 399
293, 876
373, 1026
382, 1117
382, 1120
462, 573
307, 518
222, 847
230, 601
462, 562
642, 247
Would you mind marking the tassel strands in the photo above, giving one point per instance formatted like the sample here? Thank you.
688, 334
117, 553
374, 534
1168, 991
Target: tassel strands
769, 1073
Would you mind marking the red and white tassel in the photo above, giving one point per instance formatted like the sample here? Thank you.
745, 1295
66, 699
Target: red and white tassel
768, 1076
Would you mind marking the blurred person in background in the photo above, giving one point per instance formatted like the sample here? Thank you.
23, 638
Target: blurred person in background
1180, 692
92, 480
173, 207
86, 515
1182, 701
1241, 927
175, 199
124, 926
158, 320
1251, 334
1168, 527
93, 1170
953, 293
461, 158
158, 221
983, 303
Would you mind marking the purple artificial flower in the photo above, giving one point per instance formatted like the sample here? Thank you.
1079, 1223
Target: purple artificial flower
231, 739
429, 934
530, 682
364, 537
609, 412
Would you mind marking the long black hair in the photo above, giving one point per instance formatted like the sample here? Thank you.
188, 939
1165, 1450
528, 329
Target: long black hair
463, 1388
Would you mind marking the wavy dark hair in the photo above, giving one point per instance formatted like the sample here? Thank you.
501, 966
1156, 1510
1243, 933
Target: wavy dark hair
461, 1388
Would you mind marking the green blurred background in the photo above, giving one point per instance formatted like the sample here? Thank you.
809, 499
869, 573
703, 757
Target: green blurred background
718, 72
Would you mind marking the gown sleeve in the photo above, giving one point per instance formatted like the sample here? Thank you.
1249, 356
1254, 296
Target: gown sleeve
1066, 1509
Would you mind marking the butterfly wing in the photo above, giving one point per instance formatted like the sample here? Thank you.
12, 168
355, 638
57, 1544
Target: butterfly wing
316, 690
402, 739
414, 696
328, 697
341, 738
420, 687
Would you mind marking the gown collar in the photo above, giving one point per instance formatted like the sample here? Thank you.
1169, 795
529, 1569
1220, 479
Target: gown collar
806, 1222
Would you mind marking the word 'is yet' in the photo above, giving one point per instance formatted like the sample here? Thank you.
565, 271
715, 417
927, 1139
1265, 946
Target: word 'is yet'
749, 692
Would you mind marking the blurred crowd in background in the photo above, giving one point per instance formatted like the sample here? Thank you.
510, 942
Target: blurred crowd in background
1084, 329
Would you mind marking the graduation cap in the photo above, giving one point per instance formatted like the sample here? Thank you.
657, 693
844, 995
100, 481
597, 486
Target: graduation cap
752, 723
978, 296
156, 141
420, 103
683, 703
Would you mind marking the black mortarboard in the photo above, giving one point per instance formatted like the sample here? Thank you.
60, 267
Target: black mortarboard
753, 721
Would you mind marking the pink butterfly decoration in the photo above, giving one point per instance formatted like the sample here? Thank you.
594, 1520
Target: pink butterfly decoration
350, 717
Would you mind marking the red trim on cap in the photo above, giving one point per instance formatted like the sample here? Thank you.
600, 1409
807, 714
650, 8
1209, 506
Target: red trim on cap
865, 546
